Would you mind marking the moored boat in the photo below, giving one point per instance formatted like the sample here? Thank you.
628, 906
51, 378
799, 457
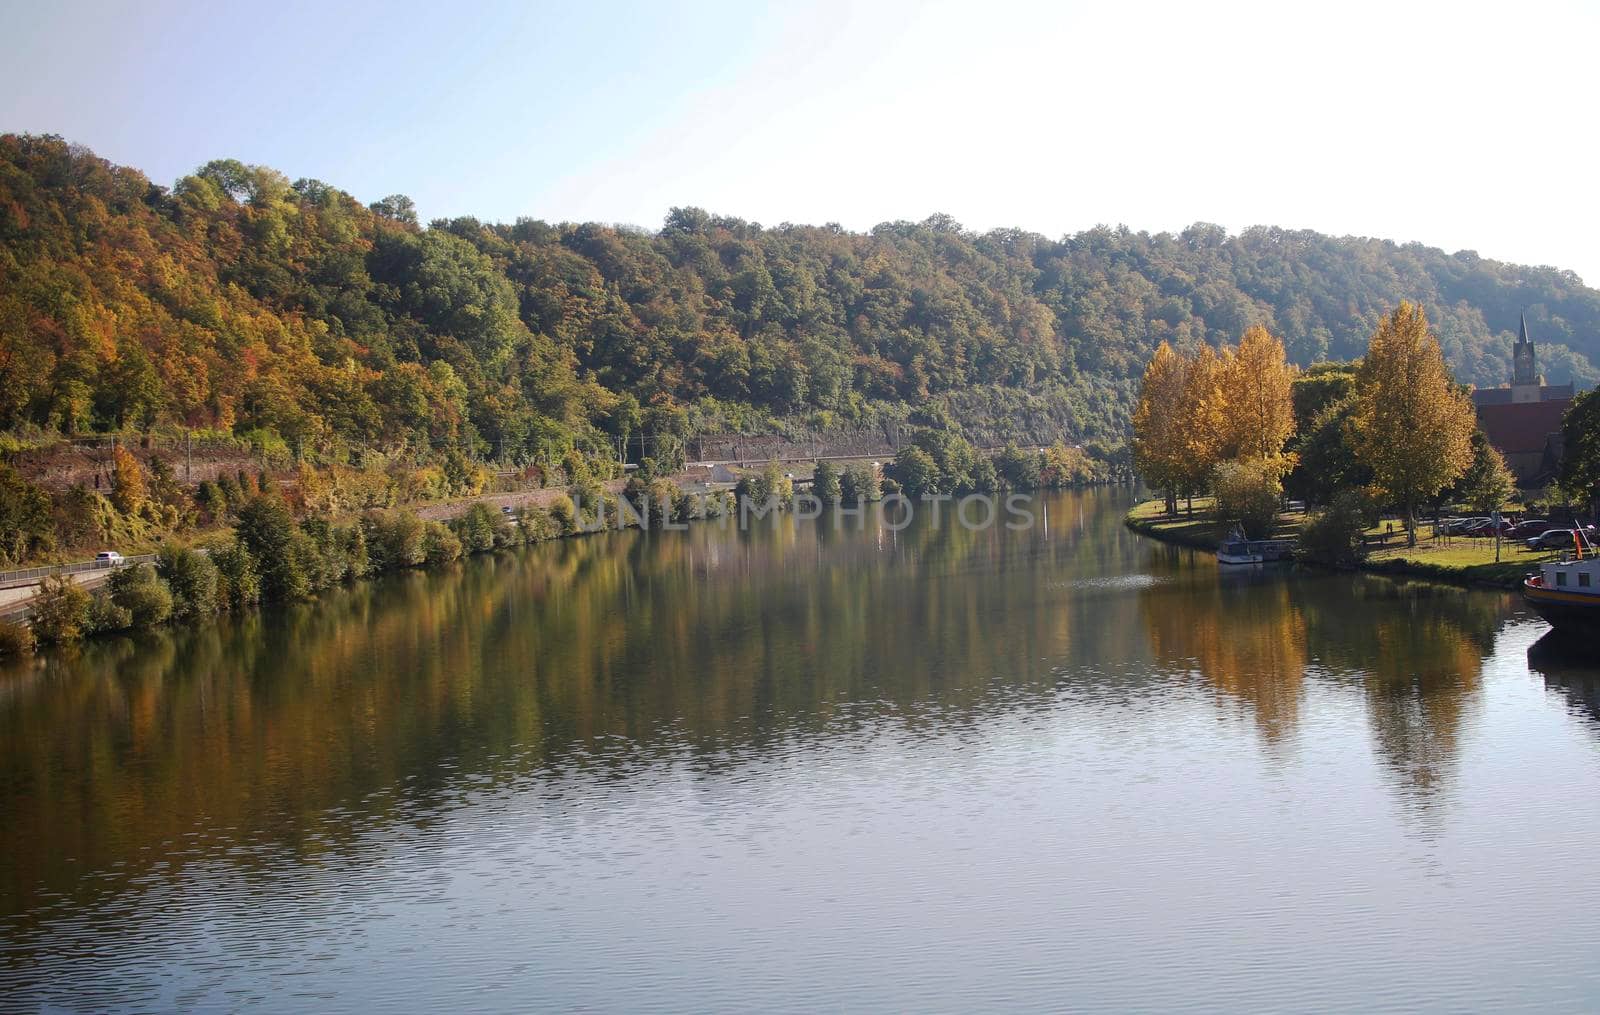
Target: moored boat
1566, 592
1238, 550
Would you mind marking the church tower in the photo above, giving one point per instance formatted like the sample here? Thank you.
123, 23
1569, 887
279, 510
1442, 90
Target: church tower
1525, 379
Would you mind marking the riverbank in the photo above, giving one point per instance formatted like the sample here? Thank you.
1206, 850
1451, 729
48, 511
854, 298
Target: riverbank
1461, 561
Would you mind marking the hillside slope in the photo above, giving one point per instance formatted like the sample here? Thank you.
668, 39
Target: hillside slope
240, 301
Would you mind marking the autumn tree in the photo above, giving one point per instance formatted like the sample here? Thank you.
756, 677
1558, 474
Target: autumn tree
1202, 420
127, 481
1413, 425
1258, 387
1157, 442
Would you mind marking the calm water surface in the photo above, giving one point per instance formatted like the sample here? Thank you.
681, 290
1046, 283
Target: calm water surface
796, 768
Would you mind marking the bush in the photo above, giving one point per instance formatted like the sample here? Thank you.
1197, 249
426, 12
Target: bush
105, 615
1248, 494
60, 611
16, 640
439, 544
564, 515
193, 579
212, 500
483, 529
394, 540
858, 483
1334, 536
141, 592
238, 581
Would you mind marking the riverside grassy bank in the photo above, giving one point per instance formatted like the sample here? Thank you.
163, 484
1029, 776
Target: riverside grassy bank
1461, 560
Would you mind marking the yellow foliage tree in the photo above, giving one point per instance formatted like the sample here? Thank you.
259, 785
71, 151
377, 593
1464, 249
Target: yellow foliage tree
1157, 445
1202, 420
1258, 384
127, 481
1413, 425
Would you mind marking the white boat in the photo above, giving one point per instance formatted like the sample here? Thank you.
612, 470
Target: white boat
1238, 550
1566, 592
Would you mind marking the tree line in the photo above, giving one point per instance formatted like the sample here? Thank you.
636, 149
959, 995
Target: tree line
289, 314
1394, 428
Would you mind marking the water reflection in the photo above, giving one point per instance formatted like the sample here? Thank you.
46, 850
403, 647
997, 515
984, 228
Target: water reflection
1569, 666
277, 740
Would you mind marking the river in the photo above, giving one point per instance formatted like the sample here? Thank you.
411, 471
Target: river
800, 767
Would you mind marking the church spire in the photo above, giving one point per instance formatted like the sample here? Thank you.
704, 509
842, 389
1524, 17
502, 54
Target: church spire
1524, 367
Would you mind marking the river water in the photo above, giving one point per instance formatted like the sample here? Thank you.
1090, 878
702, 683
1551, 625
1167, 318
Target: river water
798, 767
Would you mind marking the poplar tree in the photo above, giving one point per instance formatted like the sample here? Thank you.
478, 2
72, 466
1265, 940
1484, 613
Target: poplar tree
1259, 389
1202, 420
1413, 425
1157, 443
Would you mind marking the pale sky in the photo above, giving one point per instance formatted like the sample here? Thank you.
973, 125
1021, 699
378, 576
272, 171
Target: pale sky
1455, 125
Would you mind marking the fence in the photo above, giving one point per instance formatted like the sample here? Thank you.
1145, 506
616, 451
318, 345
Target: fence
34, 575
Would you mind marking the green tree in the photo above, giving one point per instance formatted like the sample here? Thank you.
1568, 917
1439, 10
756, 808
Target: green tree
142, 593
916, 472
1018, 469
238, 580
1487, 484
267, 530
858, 484
193, 578
825, 483
1580, 460
27, 527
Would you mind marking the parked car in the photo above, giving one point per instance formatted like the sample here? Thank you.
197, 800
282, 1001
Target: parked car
1530, 527
1460, 526
1486, 528
1561, 539
108, 558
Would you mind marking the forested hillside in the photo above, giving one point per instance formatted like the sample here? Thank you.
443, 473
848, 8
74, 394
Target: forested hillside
291, 312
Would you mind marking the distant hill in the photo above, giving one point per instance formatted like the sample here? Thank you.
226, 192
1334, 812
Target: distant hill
238, 300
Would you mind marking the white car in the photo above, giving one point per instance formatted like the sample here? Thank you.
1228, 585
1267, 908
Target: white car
108, 558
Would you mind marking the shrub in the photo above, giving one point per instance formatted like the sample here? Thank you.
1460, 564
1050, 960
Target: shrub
859, 483
60, 610
141, 592
483, 528
394, 539
16, 640
1334, 536
565, 516
238, 581
1248, 494
535, 524
439, 544
193, 579
212, 500
105, 615
353, 541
